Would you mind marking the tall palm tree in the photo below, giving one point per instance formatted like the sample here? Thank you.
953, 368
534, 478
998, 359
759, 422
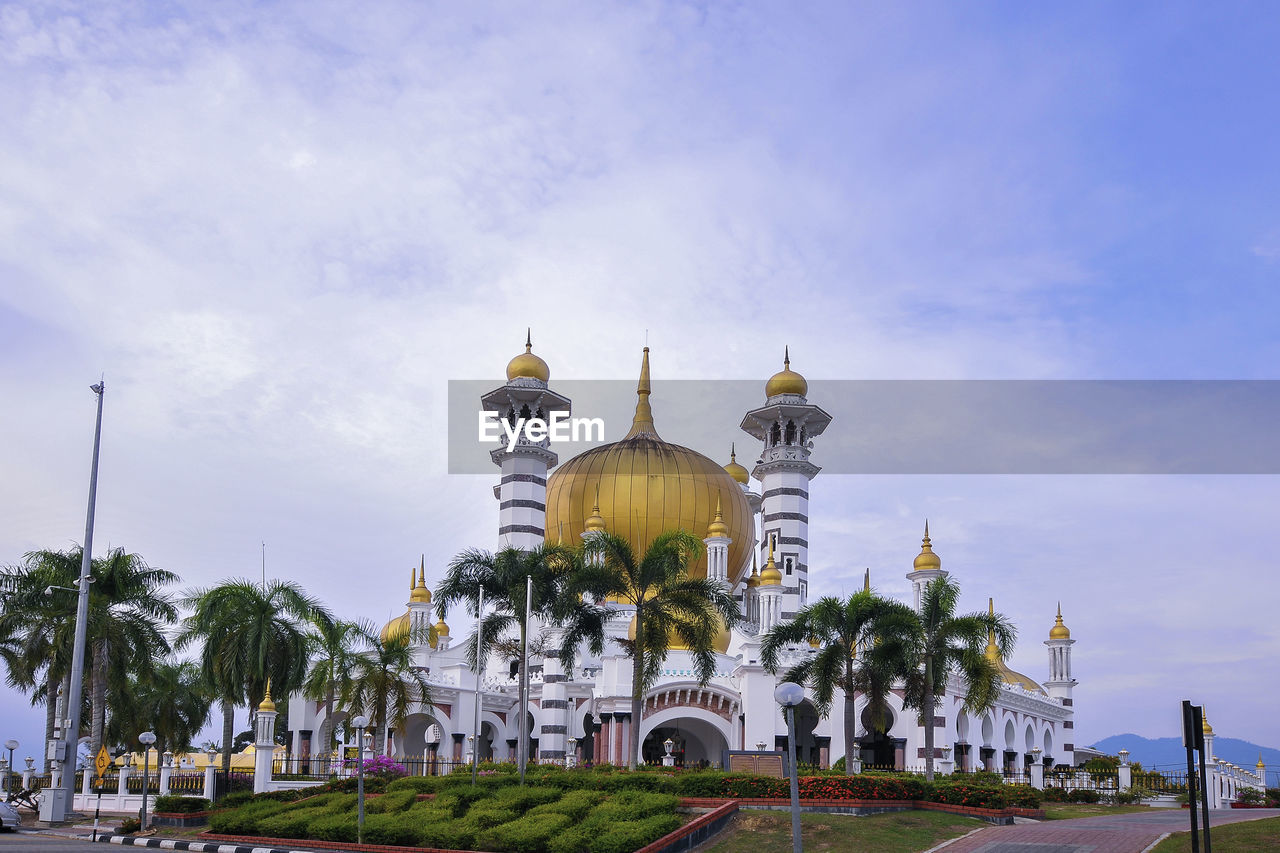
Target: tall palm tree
250, 634
502, 577
173, 702
948, 644
384, 683
128, 611
334, 647
864, 645
667, 602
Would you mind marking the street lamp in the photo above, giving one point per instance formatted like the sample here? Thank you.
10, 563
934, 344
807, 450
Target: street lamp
360, 721
146, 739
56, 806
788, 694
11, 745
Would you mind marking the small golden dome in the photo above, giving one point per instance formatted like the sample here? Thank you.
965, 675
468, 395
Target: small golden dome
1204, 719
528, 365
770, 576
735, 470
753, 579
1260, 765
418, 589
786, 380
267, 704
717, 527
442, 628
926, 560
595, 521
1059, 631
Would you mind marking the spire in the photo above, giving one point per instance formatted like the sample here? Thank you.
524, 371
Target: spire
1059, 631
926, 560
595, 521
267, 704
413, 580
528, 339
422, 572
642, 423
993, 653
717, 527
786, 356
866, 581
733, 451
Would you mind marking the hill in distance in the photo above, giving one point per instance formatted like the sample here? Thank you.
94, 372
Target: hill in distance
1167, 753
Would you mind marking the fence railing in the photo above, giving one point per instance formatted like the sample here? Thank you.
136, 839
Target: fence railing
40, 781
186, 782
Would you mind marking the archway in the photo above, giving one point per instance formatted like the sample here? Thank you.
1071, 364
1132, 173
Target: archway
807, 746
695, 743
879, 749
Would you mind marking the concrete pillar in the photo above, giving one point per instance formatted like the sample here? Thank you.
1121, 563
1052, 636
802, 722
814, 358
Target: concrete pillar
86, 787
26, 778
122, 790
166, 773
1037, 774
555, 706
209, 771
264, 744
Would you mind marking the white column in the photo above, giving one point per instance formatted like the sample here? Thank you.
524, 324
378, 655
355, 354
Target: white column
122, 790
264, 747
209, 772
555, 705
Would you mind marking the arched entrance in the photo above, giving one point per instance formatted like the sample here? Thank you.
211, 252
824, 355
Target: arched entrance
808, 747
879, 749
696, 743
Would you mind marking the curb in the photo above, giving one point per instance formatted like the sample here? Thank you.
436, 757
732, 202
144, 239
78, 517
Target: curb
175, 844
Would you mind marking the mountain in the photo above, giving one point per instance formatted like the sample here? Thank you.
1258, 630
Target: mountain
1167, 753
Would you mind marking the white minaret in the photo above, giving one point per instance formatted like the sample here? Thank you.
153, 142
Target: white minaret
717, 543
786, 424
522, 491
771, 594
926, 568
1060, 682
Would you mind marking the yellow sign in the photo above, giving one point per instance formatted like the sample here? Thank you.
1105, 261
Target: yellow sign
101, 762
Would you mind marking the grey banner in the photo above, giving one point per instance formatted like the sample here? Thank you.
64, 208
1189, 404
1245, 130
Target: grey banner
941, 427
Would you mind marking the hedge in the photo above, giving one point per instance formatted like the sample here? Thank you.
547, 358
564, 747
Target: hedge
176, 804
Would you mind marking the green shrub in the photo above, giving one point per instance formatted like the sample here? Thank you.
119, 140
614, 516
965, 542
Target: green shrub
486, 815
418, 784
1249, 796
181, 805
523, 799
637, 781
1084, 795
629, 805
445, 832
528, 834
129, 826
964, 793
394, 801
333, 827
244, 820
397, 828
290, 823
576, 804
630, 835
234, 800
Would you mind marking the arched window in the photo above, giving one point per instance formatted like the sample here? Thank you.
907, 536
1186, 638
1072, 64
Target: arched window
791, 432
775, 436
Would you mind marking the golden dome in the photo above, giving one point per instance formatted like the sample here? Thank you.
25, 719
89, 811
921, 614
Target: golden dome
735, 470
717, 527
926, 560
720, 644
643, 486
395, 629
753, 580
419, 592
770, 576
267, 704
815, 643
1204, 720
786, 380
442, 628
1059, 631
527, 364
1008, 675
1260, 765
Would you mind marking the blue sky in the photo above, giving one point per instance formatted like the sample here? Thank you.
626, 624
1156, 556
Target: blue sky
280, 229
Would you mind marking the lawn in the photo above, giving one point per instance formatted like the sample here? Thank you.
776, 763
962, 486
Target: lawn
758, 831
1253, 836
1065, 811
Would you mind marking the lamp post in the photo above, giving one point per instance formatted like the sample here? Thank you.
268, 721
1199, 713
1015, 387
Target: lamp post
788, 694
55, 808
146, 739
360, 721
11, 745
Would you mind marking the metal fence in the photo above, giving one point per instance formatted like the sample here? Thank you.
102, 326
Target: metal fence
40, 781
187, 782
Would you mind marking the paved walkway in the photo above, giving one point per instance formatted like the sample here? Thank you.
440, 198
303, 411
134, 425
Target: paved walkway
1128, 833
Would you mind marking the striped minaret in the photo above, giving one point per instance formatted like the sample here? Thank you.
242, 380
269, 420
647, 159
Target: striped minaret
522, 491
787, 424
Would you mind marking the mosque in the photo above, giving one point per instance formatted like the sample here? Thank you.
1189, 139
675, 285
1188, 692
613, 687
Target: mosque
637, 487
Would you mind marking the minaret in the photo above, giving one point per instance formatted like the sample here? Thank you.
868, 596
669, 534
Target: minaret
419, 606
925, 569
771, 594
554, 732
522, 491
717, 543
264, 741
1060, 683
751, 595
787, 424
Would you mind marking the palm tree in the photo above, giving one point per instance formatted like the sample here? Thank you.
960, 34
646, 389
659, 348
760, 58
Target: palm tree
948, 644
334, 646
250, 635
174, 703
864, 644
503, 578
384, 682
124, 631
668, 604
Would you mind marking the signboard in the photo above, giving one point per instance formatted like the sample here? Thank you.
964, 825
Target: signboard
100, 763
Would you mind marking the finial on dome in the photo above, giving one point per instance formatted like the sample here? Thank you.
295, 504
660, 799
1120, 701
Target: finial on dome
993, 652
267, 704
926, 560
1259, 765
528, 339
418, 592
422, 571
595, 521
642, 423
1059, 631
866, 580
770, 576
528, 365
736, 471
717, 527
786, 380
753, 580
786, 355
